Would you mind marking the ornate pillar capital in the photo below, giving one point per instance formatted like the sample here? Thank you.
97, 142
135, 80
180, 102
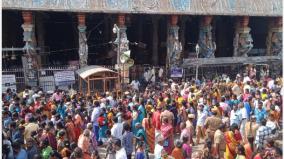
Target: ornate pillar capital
31, 64
207, 20
121, 20
174, 20
81, 19
27, 17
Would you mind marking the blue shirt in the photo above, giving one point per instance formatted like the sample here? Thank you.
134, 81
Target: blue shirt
62, 111
7, 122
248, 108
22, 154
260, 114
127, 142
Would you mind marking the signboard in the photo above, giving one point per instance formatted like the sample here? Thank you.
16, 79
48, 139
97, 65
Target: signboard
47, 83
176, 72
8, 81
64, 78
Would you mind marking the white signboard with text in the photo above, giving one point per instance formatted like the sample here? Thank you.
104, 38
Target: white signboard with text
64, 78
8, 81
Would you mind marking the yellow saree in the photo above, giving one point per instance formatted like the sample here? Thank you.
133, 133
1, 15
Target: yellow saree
231, 144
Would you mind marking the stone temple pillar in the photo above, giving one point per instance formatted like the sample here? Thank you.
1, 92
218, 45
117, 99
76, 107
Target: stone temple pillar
243, 41
174, 47
123, 41
83, 46
205, 41
30, 62
123, 46
274, 38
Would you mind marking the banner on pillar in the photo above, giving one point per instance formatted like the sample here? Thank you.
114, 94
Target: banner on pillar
176, 72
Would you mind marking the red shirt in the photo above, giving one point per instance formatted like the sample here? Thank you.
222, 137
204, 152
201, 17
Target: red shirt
157, 120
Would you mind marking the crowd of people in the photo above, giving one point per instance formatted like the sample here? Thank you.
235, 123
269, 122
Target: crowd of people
238, 119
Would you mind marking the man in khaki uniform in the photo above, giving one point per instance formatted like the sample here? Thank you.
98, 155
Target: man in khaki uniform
211, 124
219, 141
190, 127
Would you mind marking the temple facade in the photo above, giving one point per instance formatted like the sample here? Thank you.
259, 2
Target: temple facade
157, 32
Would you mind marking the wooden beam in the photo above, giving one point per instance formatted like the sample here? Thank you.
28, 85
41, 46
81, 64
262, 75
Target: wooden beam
101, 78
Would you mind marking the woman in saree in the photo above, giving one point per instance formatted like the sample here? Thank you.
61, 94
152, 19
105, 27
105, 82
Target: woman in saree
135, 118
167, 132
78, 122
150, 131
70, 126
102, 127
233, 139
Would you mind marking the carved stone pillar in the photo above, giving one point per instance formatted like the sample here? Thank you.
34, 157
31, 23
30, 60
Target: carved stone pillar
243, 41
122, 39
205, 41
30, 62
83, 45
274, 38
123, 43
174, 47
155, 56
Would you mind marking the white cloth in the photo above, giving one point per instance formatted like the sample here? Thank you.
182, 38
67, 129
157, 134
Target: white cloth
247, 87
158, 151
161, 72
237, 90
224, 106
271, 84
121, 154
95, 114
271, 124
135, 84
116, 130
235, 117
201, 117
244, 113
246, 79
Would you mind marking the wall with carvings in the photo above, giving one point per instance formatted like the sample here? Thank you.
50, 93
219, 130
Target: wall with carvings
199, 7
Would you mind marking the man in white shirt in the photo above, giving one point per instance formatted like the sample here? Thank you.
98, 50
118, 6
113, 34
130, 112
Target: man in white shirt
235, 116
116, 130
271, 84
158, 147
120, 151
135, 85
95, 115
244, 117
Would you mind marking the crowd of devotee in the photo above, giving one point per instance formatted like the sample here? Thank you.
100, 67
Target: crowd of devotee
238, 118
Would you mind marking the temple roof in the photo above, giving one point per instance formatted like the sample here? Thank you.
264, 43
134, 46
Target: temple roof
187, 7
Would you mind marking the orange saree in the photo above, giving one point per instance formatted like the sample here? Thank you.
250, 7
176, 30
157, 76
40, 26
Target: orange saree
150, 134
231, 144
